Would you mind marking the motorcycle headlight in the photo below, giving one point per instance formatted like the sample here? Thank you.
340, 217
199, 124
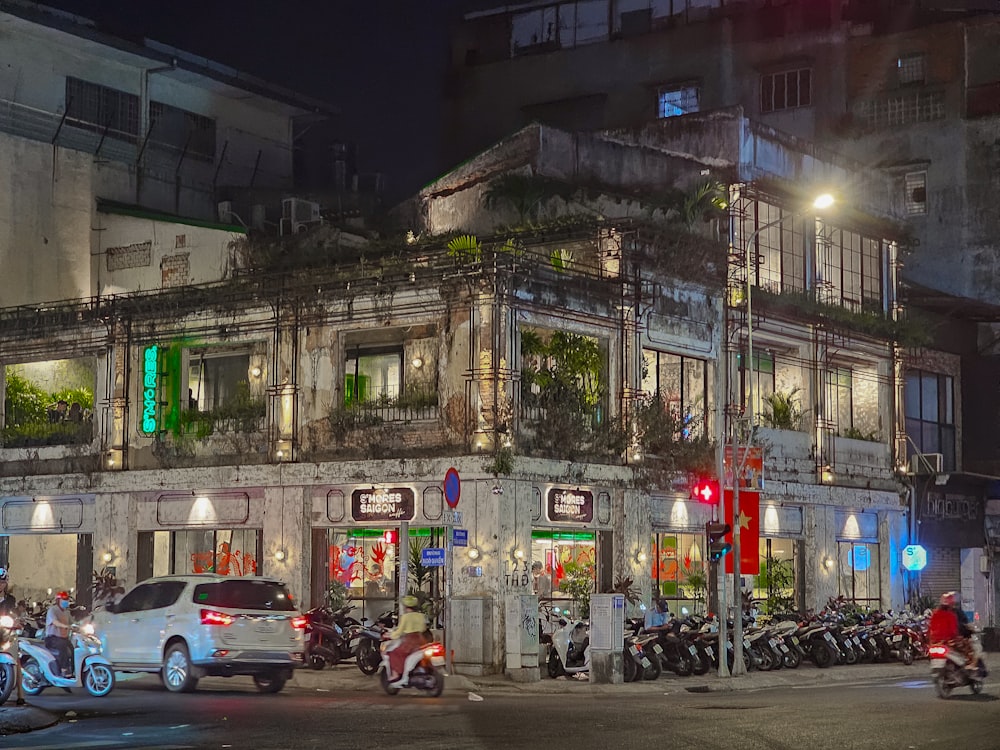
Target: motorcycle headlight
6, 621
88, 629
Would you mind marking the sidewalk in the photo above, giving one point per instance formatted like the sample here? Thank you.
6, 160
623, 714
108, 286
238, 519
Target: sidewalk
15, 719
348, 677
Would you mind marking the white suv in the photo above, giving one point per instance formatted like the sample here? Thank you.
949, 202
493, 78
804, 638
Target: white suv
191, 626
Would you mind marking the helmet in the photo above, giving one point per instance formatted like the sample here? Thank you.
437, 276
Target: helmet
410, 601
3, 574
948, 599
62, 595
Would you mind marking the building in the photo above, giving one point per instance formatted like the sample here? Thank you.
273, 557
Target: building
906, 88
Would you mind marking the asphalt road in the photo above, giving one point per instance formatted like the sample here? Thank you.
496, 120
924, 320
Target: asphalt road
881, 714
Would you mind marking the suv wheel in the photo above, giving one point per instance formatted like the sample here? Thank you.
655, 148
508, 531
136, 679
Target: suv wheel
269, 683
177, 676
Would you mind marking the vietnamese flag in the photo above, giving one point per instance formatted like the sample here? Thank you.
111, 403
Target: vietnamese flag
749, 531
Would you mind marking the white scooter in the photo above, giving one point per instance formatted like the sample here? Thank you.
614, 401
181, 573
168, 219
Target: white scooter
423, 669
570, 651
92, 671
7, 663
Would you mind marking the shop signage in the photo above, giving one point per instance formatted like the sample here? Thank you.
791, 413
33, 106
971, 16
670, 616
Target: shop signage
571, 505
150, 388
394, 504
460, 537
914, 557
432, 557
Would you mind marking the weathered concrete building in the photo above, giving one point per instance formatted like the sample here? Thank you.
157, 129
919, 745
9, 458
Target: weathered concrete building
908, 89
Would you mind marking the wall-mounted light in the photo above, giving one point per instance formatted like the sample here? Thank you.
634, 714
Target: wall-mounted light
280, 555
256, 372
473, 553
108, 557
518, 554
417, 363
641, 557
828, 562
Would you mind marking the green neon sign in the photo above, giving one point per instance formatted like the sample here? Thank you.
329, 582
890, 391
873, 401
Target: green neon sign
150, 388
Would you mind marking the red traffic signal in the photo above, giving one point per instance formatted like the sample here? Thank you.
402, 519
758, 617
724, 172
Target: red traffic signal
706, 491
391, 536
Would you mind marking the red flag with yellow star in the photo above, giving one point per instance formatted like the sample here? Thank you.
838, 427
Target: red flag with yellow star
749, 531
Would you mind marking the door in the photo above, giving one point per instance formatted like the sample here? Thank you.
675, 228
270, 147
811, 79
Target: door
155, 623
118, 630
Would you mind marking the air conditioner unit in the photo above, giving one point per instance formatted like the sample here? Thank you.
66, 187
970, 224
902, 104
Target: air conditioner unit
258, 215
226, 212
926, 463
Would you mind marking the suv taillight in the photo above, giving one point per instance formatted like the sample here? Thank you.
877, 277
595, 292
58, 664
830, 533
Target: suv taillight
300, 622
211, 617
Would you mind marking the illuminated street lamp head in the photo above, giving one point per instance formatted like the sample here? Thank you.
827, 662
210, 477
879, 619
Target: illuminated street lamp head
823, 201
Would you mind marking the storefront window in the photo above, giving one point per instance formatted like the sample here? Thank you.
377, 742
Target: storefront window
363, 564
858, 563
680, 382
49, 403
564, 568
227, 552
775, 588
374, 376
679, 572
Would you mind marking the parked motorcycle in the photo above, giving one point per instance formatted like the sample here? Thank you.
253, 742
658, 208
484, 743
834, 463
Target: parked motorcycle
7, 664
422, 670
366, 639
92, 671
329, 636
570, 651
636, 664
949, 671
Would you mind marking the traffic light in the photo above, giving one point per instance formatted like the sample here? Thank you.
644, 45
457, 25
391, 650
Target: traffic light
717, 546
706, 491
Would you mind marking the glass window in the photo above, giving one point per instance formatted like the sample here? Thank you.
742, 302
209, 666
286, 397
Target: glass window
929, 403
216, 379
244, 594
49, 403
915, 193
137, 600
839, 404
227, 552
673, 101
776, 587
681, 383
563, 568
859, 580
679, 572
181, 130
165, 593
910, 68
763, 379
373, 376
786, 90
102, 109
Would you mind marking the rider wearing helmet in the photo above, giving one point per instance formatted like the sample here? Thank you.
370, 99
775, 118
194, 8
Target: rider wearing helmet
944, 628
8, 603
410, 634
57, 627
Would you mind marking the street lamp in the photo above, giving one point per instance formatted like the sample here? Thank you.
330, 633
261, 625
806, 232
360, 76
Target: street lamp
820, 203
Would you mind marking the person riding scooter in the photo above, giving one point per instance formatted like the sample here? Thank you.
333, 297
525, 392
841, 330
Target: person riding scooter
409, 634
944, 628
57, 627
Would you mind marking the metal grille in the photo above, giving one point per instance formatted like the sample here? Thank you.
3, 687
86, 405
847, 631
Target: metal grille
902, 109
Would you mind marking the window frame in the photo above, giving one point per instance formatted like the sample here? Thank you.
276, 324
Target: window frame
907, 64
104, 109
775, 84
685, 406
355, 354
838, 382
685, 90
913, 183
199, 148
917, 426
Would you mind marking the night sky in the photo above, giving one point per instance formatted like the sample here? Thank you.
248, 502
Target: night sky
382, 62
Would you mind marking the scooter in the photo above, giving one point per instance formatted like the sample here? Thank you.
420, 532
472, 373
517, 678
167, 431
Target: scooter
422, 669
366, 640
7, 663
948, 666
329, 636
92, 671
570, 650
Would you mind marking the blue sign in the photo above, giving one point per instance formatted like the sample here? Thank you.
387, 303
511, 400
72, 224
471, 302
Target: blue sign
861, 558
432, 557
460, 537
914, 557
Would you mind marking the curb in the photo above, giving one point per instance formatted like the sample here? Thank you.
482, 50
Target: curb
20, 719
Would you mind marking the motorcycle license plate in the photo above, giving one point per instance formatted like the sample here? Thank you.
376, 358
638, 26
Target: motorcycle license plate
710, 651
828, 637
771, 642
795, 640
693, 650
657, 649
746, 643
646, 663
437, 661
784, 648
896, 638
938, 663
857, 641
633, 650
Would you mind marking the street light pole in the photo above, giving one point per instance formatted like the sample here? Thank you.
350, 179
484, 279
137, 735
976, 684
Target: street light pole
738, 461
